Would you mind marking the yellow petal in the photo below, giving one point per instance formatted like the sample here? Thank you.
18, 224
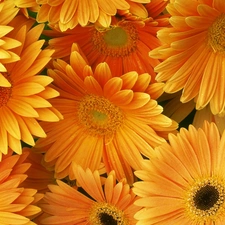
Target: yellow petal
22, 108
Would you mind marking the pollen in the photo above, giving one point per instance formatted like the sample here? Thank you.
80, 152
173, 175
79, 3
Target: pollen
106, 214
205, 200
5, 94
116, 41
216, 34
99, 116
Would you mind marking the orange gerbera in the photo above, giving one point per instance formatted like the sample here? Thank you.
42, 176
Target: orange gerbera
67, 14
17, 205
124, 46
38, 177
185, 113
185, 182
206, 114
104, 116
112, 204
175, 109
7, 44
193, 52
25, 102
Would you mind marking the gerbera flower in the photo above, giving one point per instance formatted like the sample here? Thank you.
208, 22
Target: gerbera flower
104, 116
175, 109
18, 204
185, 113
26, 101
124, 45
206, 114
185, 182
7, 44
38, 177
193, 52
111, 204
67, 14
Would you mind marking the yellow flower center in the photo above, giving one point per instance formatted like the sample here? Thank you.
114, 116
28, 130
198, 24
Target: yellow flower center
216, 34
205, 200
105, 214
5, 94
116, 41
99, 115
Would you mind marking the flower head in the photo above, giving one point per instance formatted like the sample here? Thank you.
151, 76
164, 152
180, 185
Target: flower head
38, 177
18, 204
112, 204
7, 44
185, 182
193, 52
124, 45
26, 100
104, 116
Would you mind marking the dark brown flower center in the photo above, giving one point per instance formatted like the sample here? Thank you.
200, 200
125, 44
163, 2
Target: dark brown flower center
103, 213
107, 219
205, 200
206, 197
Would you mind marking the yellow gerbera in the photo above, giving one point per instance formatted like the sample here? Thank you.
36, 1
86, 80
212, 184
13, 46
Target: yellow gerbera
111, 204
7, 44
17, 205
26, 101
104, 116
193, 52
185, 182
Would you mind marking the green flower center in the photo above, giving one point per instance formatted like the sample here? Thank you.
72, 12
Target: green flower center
99, 116
116, 41
117, 36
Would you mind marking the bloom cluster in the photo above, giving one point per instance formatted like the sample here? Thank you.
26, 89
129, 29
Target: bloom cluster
112, 112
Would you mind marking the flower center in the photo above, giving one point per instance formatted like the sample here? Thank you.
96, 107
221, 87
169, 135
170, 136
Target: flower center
206, 200
99, 115
116, 41
5, 94
116, 37
106, 214
107, 219
206, 197
216, 34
